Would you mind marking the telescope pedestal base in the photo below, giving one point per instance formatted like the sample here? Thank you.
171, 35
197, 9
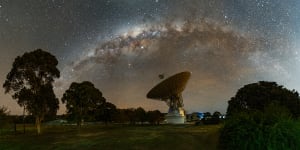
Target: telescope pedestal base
176, 117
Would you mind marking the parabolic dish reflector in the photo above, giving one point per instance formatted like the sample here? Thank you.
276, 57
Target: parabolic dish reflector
171, 86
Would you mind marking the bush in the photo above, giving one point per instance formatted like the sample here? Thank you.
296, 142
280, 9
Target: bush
283, 135
272, 129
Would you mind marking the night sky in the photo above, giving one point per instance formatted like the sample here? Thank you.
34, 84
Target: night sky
123, 45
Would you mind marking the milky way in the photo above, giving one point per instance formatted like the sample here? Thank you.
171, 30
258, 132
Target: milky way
218, 57
123, 46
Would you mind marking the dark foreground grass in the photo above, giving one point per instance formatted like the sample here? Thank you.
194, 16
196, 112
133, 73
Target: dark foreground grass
186, 137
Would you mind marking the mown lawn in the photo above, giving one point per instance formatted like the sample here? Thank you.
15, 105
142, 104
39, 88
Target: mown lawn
186, 137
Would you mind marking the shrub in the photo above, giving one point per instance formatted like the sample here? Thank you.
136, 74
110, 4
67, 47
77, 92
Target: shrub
272, 129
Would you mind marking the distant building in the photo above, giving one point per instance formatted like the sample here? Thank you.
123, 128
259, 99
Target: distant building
195, 116
57, 122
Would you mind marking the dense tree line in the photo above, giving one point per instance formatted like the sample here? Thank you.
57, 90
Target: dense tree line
30, 82
84, 102
205, 118
214, 118
138, 116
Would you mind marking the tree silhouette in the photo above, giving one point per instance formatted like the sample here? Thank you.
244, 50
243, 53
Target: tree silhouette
141, 115
216, 114
132, 118
82, 98
215, 118
154, 117
207, 115
257, 96
271, 129
121, 116
105, 112
4, 112
260, 114
30, 81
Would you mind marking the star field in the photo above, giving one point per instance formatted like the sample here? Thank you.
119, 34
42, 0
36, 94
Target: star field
122, 46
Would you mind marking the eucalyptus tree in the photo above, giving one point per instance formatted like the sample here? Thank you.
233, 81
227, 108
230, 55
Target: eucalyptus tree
82, 98
258, 96
30, 83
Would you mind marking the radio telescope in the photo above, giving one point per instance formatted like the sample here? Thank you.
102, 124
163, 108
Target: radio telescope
170, 90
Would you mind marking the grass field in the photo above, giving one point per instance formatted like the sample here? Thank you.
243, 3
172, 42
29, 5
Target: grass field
186, 137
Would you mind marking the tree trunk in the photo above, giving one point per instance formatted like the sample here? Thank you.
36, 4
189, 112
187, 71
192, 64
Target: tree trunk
38, 122
79, 123
24, 120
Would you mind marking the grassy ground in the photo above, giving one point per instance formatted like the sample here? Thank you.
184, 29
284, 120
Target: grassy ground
186, 137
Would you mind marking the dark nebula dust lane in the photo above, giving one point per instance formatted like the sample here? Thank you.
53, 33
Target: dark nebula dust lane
218, 57
122, 46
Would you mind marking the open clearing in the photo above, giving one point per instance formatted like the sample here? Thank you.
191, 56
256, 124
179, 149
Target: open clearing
187, 137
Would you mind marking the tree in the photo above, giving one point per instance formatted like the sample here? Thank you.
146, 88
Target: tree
207, 115
216, 114
121, 116
141, 115
257, 96
105, 112
4, 112
154, 117
30, 81
262, 114
272, 129
82, 98
211, 119
131, 115
215, 118
109, 111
